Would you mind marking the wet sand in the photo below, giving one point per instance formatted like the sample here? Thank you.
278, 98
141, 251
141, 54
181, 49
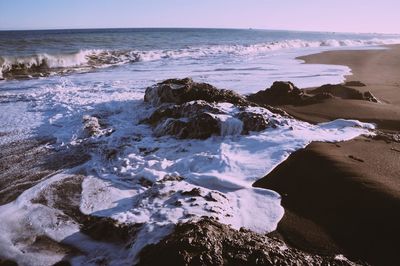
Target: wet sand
25, 163
345, 197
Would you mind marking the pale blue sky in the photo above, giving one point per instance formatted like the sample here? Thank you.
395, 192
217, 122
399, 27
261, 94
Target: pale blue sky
319, 15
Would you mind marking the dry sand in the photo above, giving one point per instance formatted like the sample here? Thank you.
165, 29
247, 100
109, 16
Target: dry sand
379, 70
346, 197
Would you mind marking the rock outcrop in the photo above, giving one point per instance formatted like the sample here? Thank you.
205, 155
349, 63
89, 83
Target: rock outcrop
208, 242
355, 84
186, 109
280, 93
179, 91
286, 93
344, 92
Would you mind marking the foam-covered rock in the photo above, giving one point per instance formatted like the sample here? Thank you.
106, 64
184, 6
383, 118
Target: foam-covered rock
95, 127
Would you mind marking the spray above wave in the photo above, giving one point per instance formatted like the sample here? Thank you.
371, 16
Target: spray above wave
42, 65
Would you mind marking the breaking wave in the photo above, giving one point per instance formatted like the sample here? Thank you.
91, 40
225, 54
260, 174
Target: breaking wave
41, 65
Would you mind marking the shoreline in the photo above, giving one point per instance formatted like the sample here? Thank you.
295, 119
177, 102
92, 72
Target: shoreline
378, 70
345, 197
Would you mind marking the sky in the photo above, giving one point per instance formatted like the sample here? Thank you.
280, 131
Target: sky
311, 15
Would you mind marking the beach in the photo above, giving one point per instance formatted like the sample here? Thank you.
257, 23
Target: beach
346, 196
378, 70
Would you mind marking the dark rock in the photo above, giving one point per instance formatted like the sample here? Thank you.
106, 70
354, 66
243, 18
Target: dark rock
354, 84
171, 178
180, 91
145, 182
340, 91
387, 137
178, 111
344, 92
107, 229
193, 192
188, 110
252, 122
7, 263
63, 263
368, 96
208, 242
280, 93
317, 98
201, 126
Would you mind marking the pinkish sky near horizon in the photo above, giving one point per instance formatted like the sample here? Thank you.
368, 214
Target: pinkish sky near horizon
310, 15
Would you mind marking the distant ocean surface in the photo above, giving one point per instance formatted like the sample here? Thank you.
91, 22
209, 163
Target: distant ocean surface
245, 60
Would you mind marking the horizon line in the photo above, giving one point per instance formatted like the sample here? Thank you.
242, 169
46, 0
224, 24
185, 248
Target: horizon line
181, 27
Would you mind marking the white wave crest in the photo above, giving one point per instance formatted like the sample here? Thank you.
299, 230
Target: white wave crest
46, 64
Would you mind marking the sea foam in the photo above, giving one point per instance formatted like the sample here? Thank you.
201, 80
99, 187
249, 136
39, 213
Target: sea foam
149, 180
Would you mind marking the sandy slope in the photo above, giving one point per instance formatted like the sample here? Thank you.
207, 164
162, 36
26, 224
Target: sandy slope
346, 197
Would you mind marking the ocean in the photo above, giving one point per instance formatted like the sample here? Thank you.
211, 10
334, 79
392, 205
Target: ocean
246, 60
53, 82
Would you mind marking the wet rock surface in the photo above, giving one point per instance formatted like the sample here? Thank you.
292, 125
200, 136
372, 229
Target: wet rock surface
280, 93
283, 93
344, 92
354, 84
252, 122
180, 91
187, 109
208, 242
189, 120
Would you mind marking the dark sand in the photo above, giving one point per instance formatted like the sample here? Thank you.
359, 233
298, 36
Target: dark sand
345, 197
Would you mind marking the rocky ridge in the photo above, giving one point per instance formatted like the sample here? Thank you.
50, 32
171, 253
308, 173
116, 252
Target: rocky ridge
284, 93
208, 242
